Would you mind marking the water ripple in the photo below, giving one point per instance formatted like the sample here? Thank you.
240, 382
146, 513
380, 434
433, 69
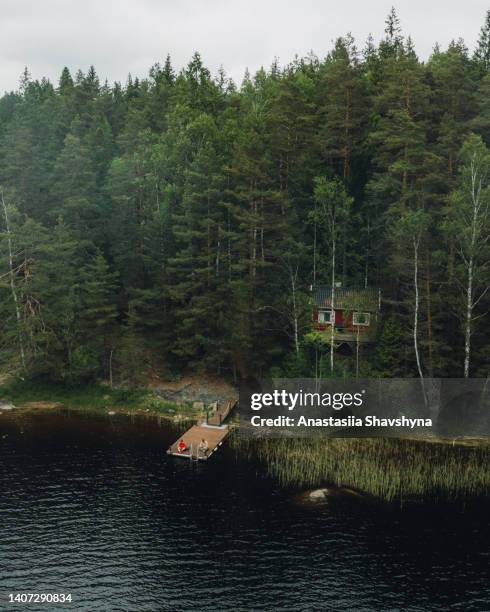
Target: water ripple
97, 509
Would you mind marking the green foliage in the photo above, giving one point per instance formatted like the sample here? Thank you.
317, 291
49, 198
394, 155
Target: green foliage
482, 52
179, 220
390, 350
87, 396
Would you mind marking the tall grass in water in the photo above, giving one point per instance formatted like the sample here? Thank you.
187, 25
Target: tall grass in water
387, 468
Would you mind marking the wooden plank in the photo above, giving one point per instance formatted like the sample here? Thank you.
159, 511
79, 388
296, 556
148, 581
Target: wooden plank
213, 431
222, 412
193, 436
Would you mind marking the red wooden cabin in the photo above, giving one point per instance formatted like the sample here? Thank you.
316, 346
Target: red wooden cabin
354, 312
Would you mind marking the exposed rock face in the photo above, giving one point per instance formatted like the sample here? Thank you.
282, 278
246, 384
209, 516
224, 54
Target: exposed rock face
6, 406
196, 390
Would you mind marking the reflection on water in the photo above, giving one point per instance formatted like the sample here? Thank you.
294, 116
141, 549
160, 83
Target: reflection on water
96, 508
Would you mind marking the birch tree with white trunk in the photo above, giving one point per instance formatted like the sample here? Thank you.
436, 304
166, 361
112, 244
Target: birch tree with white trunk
334, 205
294, 316
12, 280
409, 233
468, 224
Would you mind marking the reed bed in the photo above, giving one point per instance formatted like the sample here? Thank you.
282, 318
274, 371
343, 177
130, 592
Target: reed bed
390, 469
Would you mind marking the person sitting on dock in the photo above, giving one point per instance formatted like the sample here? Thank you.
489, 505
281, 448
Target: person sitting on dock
181, 446
203, 447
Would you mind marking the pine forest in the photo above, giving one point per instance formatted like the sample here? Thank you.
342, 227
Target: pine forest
181, 222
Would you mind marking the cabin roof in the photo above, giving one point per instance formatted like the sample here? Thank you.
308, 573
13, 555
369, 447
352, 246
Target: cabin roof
347, 298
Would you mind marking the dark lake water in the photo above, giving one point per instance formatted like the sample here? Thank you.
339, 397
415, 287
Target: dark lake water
96, 509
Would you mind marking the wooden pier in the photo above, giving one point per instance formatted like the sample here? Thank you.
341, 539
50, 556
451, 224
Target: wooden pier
212, 430
220, 412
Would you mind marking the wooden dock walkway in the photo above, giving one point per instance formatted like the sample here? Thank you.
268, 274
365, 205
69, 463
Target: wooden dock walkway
212, 430
221, 412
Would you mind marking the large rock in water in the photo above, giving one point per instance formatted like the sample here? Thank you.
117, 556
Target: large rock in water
318, 495
325, 495
6, 406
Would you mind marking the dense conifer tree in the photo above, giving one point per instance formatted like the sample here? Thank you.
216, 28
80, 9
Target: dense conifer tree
175, 220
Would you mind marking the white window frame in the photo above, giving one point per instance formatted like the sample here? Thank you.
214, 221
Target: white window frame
357, 323
326, 315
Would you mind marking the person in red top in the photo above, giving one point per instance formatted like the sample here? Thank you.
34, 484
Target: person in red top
181, 446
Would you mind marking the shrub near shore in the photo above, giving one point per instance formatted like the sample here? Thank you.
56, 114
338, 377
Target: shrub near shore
92, 398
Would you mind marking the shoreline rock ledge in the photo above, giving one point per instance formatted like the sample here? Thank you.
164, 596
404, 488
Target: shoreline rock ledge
6, 405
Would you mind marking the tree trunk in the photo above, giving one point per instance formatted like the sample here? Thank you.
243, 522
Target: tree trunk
332, 322
12, 284
429, 317
469, 309
475, 199
346, 169
110, 368
316, 366
366, 262
295, 311
253, 245
416, 314
209, 253
229, 245
218, 252
314, 250
357, 352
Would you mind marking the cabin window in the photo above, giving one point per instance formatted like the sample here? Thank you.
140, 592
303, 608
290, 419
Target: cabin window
325, 316
361, 318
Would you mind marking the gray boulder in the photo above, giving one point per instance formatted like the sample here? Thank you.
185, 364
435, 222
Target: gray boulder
6, 406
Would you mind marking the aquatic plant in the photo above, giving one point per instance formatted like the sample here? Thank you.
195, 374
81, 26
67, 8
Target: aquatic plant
391, 469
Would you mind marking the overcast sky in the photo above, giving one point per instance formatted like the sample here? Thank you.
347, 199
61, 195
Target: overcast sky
128, 36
